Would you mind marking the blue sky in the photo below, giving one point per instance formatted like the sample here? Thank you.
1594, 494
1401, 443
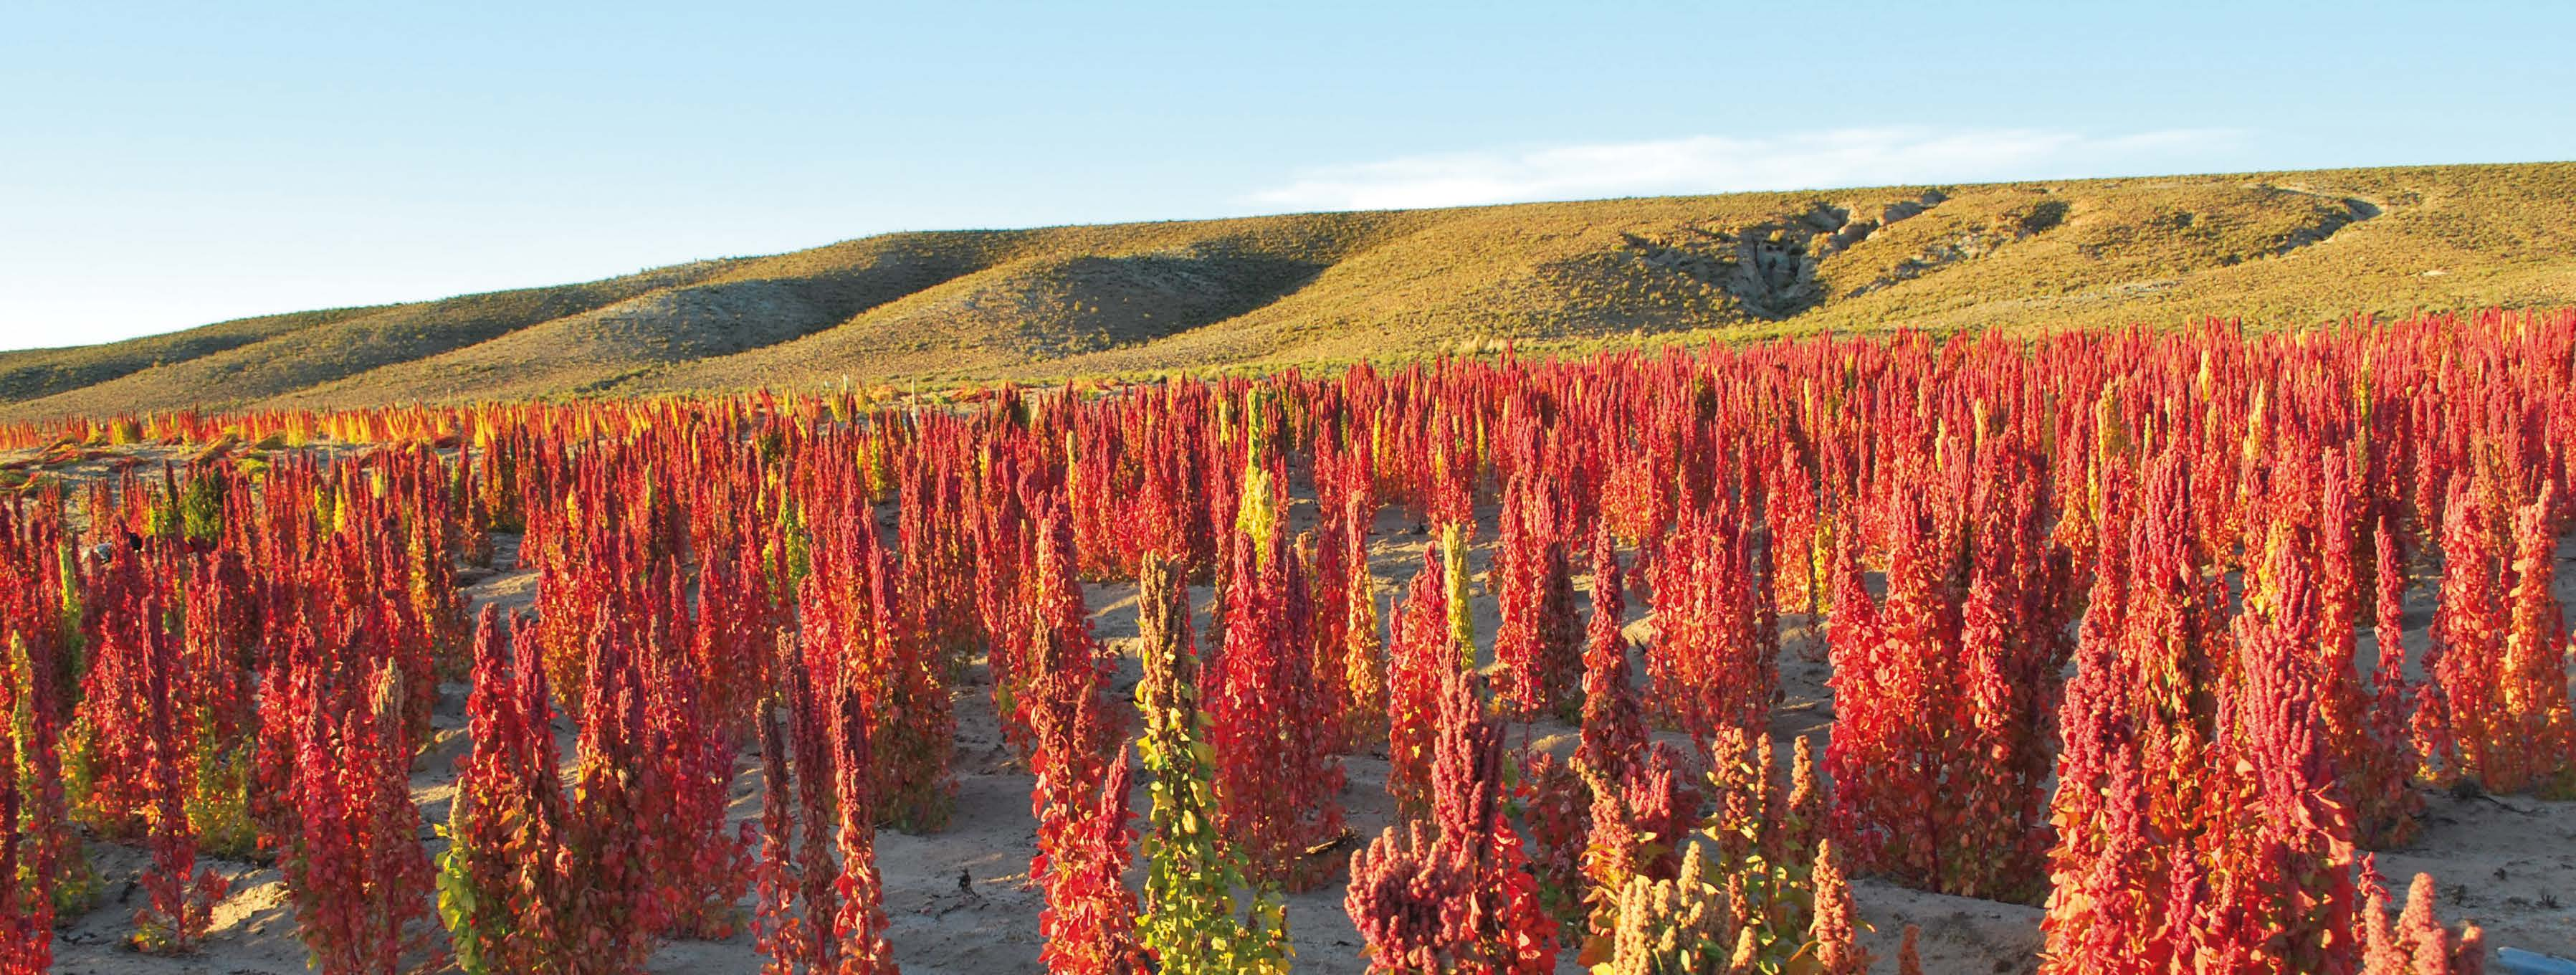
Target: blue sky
163, 166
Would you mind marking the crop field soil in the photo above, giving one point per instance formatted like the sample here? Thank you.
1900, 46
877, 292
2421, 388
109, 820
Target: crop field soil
2105, 650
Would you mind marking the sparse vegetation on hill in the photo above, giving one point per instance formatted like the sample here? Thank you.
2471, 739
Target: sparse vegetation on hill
2276, 249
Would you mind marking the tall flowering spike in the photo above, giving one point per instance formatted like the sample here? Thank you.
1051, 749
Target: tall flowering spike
1363, 653
358, 875
2013, 624
859, 923
1803, 825
1403, 894
814, 942
2275, 849
1714, 664
1749, 815
1189, 922
2379, 760
1834, 936
1276, 777
2408, 719
1614, 724
777, 930
1074, 730
26, 908
870, 620
1893, 700
49, 875
1686, 924
1941, 693
182, 895
1909, 955
115, 710
739, 618
1003, 553
2256, 871
1089, 924
607, 890
1168, 692
2106, 878
2534, 669
1462, 617
1466, 764
701, 871
1804, 534
502, 826
2502, 667
1457, 896
910, 713
2381, 952
1420, 654
1536, 640
1319, 561
2428, 947
2416, 944
2468, 632
216, 699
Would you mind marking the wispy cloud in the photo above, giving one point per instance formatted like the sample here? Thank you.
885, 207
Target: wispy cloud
1721, 164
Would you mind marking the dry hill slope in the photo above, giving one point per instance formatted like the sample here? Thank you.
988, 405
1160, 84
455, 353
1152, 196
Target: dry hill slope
2278, 249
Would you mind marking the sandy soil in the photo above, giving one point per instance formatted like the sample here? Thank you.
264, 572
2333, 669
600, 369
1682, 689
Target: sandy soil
959, 903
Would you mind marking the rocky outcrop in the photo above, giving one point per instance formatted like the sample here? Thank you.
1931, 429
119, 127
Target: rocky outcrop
2015, 227
2331, 216
1770, 268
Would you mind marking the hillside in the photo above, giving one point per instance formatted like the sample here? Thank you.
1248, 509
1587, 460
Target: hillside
2276, 249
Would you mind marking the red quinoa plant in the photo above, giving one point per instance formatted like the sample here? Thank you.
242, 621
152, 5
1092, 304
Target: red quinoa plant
797, 925
777, 931
1089, 924
2362, 721
1639, 822
2502, 663
1833, 936
1714, 662
606, 892
2256, 870
1614, 727
26, 895
1075, 731
1943, 691
2416, 944
1536, 643
495, 885
1554, 806
358, 876
1319, 554
859, 923
1277, 781
1418, 655
45, 874
854, 611
2381, 774
144, 764
1454, 894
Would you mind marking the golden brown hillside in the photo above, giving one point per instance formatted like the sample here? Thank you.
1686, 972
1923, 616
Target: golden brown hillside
2276, 249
